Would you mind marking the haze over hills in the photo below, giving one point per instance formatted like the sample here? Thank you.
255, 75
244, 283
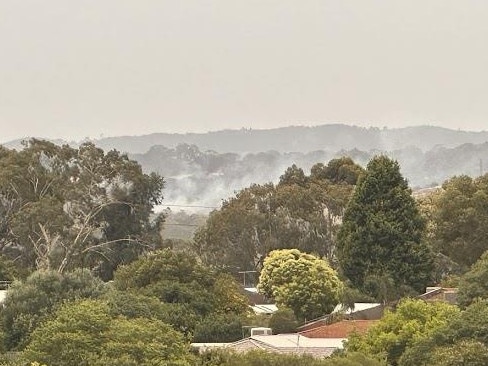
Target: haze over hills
204, 169
331, 137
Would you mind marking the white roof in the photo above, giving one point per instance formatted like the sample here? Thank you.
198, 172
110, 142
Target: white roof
297, 340
358, 306
3, 295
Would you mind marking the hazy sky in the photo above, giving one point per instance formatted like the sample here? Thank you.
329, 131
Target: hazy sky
81, 68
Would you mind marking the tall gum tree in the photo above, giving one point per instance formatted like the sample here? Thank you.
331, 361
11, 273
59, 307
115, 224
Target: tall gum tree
67, 207
379, 244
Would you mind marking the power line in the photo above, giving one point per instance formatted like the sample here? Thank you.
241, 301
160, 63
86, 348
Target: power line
180, 224
194, 206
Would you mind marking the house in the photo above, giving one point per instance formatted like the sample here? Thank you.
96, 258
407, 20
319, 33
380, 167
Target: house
437, 293
281, 343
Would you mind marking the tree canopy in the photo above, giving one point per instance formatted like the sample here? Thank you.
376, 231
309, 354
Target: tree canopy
300, 212
84, 333
461, 219
64, 207
411, 321
379, 242
302, 282
29, 303
189, 290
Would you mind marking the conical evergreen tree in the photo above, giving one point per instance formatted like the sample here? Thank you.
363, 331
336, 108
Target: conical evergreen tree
379, 244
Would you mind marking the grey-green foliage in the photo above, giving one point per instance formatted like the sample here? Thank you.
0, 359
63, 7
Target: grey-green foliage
261, 358
300, 212
31, 302
64, 207
380, 241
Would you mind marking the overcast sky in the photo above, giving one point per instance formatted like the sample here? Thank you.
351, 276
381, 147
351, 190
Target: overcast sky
88, 68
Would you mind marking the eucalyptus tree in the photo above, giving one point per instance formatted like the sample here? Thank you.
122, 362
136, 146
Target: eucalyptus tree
66, 207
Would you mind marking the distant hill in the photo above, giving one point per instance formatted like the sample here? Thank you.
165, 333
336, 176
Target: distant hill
196, 177
332, 137
203, 169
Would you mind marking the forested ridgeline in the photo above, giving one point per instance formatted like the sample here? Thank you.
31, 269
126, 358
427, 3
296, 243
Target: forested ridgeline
196, 176
95, 282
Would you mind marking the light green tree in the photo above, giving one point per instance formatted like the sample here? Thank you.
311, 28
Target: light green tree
84, 333
465, 352
412, 321
300, 281
467, 327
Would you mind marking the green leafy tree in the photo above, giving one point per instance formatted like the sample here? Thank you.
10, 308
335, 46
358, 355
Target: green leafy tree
461, 219
466, 352
83, 333
29, 303
302, 282
381, 233
301, 212
188, 289
262, 358
132, 304
283, 321
219, 328
65, 208
473, 285
469, 327
412, 321
338, 171
73, 337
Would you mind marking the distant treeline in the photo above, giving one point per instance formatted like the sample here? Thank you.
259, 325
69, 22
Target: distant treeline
200, 177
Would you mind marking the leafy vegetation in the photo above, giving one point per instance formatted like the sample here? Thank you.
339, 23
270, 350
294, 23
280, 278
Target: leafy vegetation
72, 219
302, 282
380, 248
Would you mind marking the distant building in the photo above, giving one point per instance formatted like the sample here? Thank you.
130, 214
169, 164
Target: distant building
437, 293
281, 343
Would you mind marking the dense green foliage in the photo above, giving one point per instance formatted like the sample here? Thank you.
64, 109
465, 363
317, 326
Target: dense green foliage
261, 358
300, 281
283, 321
29, 303
300, 212
473, 284
379, 243
412, 321
188, 289
83, 333
78, 215
461, 219
469, 327
63, 208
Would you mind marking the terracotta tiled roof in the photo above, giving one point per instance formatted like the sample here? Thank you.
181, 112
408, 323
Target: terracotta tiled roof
341, 329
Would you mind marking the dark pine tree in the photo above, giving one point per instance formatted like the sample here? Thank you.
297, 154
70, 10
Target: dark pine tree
379, 244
